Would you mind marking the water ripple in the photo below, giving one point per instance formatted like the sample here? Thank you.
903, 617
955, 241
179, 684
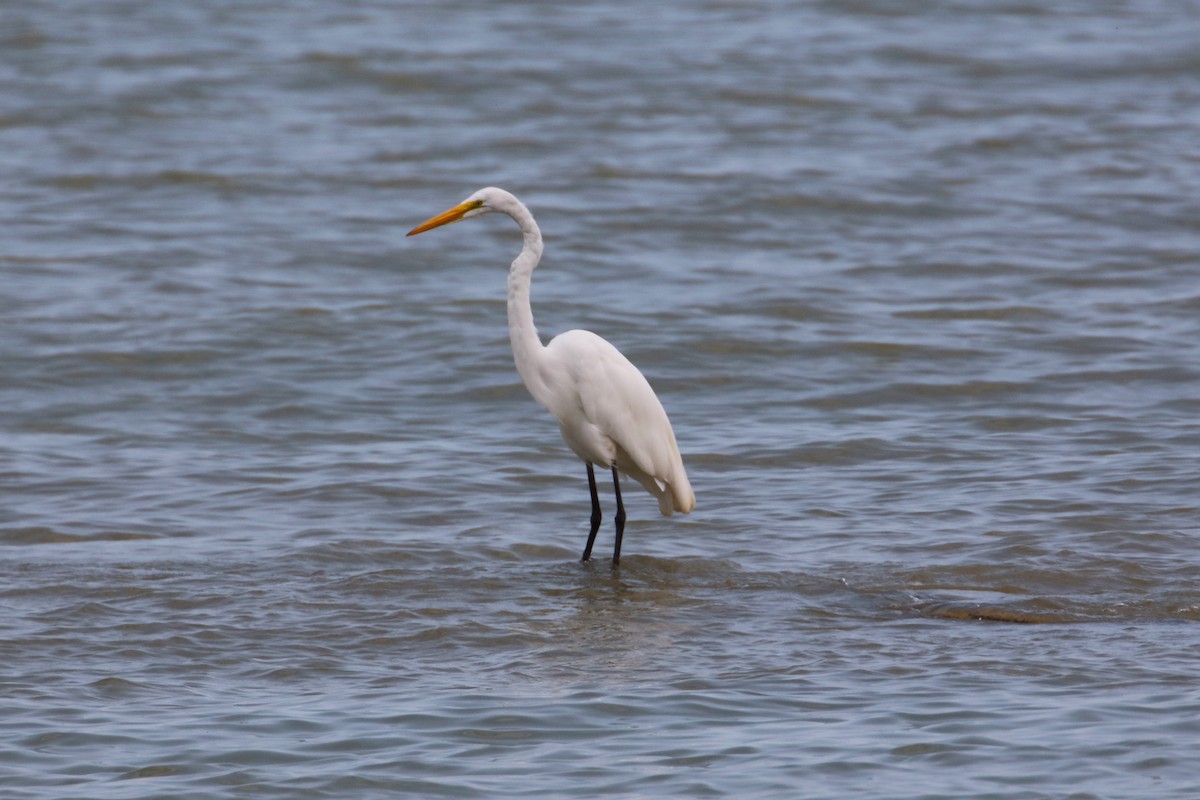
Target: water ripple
914, 282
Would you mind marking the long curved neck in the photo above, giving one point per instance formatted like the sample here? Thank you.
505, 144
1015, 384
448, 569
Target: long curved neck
526, 345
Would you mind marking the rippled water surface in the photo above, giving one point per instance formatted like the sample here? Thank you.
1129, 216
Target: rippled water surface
918, 284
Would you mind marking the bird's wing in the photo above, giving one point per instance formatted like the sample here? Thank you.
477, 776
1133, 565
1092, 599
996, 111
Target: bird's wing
614, 396
609, 414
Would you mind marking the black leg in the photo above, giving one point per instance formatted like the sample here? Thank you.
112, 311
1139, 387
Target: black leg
620, 517
587, 551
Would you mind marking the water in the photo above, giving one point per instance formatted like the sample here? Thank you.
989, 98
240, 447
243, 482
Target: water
917, 283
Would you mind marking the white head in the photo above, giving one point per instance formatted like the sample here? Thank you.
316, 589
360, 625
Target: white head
485, 201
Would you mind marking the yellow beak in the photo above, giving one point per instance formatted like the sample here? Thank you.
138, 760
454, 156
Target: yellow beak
446, 217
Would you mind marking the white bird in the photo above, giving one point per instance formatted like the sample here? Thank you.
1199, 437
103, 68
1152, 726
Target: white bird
606, 410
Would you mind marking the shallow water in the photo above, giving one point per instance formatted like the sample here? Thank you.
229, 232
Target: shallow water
917, 284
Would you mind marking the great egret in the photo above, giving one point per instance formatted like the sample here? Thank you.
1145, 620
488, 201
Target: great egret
607, 412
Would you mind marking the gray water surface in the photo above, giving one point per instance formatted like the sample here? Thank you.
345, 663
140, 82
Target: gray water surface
918, 284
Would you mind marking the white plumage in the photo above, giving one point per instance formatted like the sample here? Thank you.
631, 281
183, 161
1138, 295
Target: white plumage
606, 410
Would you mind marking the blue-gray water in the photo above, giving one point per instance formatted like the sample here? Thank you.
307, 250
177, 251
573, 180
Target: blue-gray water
918, 283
